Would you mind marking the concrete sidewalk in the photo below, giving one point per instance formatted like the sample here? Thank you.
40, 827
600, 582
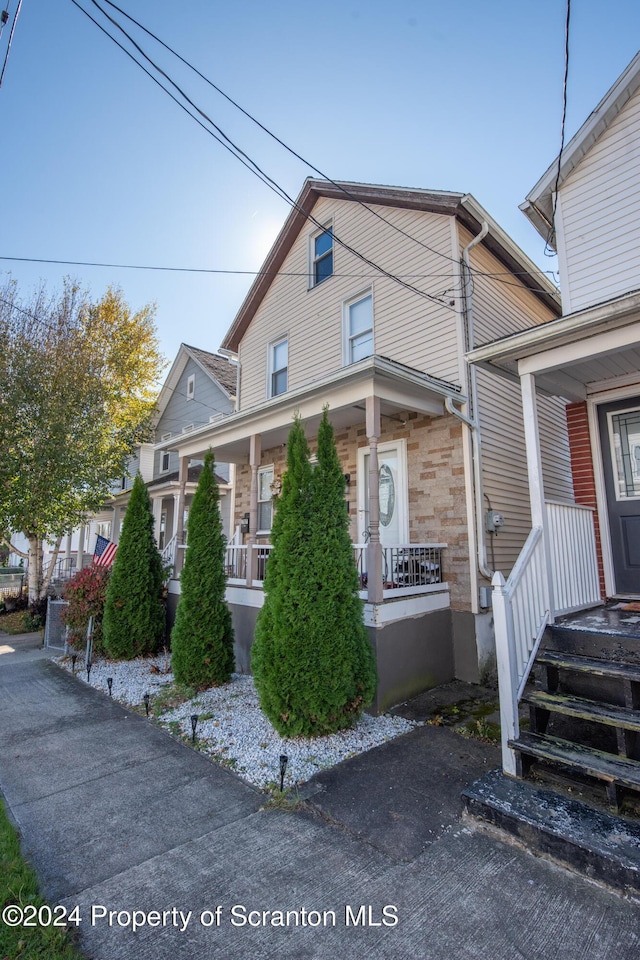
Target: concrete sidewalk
117, 817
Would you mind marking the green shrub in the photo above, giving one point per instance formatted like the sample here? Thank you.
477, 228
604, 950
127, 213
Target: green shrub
312, 661
85, 594
202, 636
134, 616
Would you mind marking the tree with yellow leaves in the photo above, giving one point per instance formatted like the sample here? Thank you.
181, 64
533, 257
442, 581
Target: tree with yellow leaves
78, 384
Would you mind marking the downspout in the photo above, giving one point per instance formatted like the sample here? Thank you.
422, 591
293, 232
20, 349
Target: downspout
472, 422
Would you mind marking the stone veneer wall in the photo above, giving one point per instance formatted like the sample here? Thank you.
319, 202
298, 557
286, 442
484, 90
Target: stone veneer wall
437, 501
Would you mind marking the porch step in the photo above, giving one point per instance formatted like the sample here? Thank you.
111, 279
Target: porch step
614, 771
571, 706
614, 669
591, 842
613, 641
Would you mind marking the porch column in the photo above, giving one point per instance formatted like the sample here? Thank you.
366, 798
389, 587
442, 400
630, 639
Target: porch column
67, 554
255, 455
183, 475
534, 471
115, 525
374, 548
81, 539
156, 507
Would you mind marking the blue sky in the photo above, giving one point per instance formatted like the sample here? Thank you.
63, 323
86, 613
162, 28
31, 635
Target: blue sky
99, 165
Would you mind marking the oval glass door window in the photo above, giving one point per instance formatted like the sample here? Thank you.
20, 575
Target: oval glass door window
387, 490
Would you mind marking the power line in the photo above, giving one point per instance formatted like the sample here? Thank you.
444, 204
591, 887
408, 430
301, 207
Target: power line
13, 30
240, 154
548, 250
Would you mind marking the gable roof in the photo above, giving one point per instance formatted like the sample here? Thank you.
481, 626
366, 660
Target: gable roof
538, 206
460, 205
217, 368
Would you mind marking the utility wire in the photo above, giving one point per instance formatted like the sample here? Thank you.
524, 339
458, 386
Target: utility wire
13, 30
548, 249
240, 154
325, 176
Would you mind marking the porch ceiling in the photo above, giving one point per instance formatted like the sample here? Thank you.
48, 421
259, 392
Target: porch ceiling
576, 355
398, 388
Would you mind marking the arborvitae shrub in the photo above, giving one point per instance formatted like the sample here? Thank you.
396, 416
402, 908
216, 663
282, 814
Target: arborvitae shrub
202, 636
134, 615
312, 661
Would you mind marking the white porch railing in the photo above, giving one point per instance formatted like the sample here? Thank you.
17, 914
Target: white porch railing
262, 552
520, 614
236, 563
537, 591
168, 553
574, 562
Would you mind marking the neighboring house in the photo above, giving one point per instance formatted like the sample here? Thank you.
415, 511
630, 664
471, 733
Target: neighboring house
199, 389
587, 207
427, 448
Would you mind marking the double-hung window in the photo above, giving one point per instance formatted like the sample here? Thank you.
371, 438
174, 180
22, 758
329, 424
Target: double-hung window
358, 328
321, 256
278, 367
265, 499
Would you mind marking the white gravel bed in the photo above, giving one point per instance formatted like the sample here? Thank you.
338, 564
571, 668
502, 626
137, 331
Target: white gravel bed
232, 728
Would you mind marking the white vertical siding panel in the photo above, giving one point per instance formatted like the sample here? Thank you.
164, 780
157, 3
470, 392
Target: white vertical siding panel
600, 209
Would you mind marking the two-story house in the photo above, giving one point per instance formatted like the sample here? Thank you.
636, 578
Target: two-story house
587, 207
367, 303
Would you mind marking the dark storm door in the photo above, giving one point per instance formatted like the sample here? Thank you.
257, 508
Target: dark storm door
620, 439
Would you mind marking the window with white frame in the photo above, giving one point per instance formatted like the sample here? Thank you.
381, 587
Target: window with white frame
278, 367
191, 386
358, 328
164, 461
321, 256
265, 499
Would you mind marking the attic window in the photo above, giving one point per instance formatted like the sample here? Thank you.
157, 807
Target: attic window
321, 256
191, 387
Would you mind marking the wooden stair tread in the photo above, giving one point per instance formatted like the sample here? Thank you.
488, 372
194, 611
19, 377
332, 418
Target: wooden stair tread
596, 763
572, 706
600, 668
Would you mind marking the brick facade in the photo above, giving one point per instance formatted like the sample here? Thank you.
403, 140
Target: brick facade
436, 487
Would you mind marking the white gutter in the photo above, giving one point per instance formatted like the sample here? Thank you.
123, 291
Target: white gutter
472, 422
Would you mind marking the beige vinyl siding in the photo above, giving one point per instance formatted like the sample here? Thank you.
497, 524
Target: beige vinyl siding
499, 308
407, 327
600, 215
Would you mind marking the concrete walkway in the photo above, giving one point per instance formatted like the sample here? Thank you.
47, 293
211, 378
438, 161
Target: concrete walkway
117, 817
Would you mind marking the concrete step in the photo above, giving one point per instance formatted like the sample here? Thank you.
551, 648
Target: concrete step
598, 845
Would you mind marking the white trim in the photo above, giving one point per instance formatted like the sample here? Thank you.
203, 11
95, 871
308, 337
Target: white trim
403, 498
347, 339
163, 454
312, 259
593, 402
378, 615
271, 347
263, 469
561, 250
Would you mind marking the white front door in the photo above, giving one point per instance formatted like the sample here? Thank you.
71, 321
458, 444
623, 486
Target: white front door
393, 492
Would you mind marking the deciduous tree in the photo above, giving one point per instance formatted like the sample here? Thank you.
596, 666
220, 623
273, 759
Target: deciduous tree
78, 382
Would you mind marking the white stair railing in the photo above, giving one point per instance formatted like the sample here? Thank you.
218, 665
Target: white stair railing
574, 563
521, 612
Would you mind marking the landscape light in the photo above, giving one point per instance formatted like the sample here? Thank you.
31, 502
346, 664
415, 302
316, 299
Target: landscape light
194, 724
146, 700
110, 684
74, 657
88, 670
284, 759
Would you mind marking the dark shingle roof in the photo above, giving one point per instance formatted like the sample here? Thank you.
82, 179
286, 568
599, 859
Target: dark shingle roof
222, 369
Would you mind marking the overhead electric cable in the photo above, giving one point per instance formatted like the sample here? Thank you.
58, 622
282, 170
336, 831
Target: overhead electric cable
13, 30
548, 249
232, 148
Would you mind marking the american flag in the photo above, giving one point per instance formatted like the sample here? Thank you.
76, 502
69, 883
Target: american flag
104, 552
